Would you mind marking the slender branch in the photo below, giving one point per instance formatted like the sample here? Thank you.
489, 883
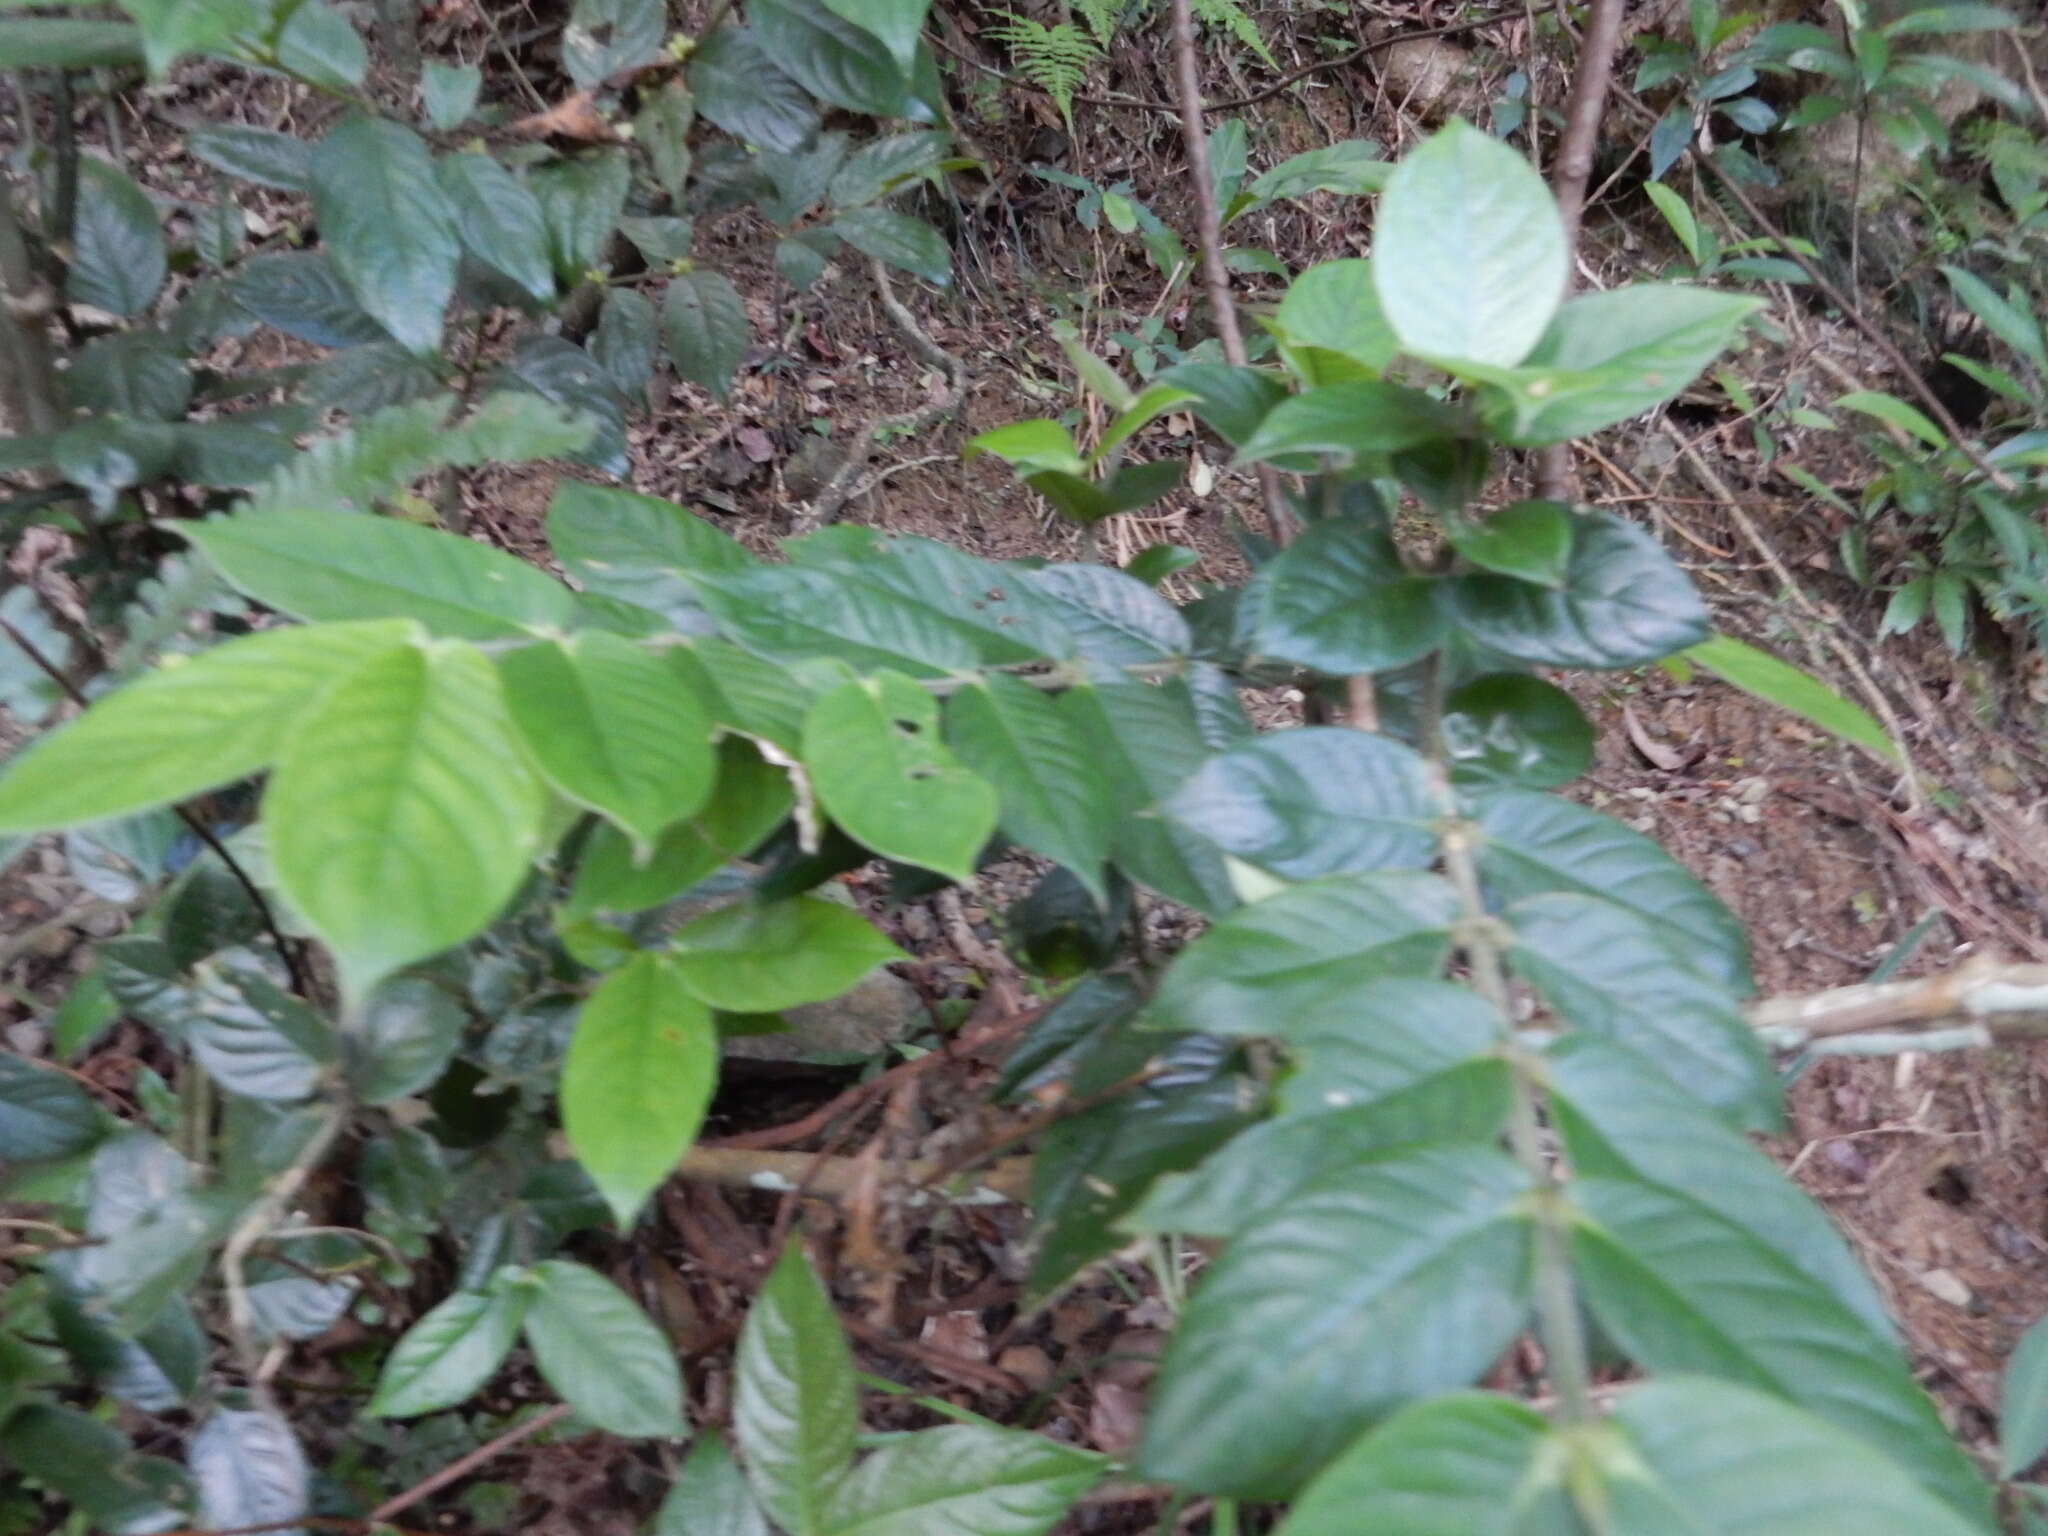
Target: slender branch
256, 1224
192, 820
838, 1178
1569, 177
462, 1466
28, 382
1209, 232
2001, 1002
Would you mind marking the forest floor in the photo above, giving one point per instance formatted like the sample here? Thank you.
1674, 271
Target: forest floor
1934, 1165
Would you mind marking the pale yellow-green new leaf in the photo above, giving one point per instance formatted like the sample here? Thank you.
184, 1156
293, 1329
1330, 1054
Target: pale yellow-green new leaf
193, 725
402, 814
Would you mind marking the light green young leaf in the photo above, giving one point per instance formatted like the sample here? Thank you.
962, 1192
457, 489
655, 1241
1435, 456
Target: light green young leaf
445, 1357
1055, 795
1894, 412
190, 726
1141, 412
639, 549
2023, 1403
596, 1347
388, 225
1334, 305
1678, 214
637, 1080
1352, 167
1028, 446
962, 1480
1468, 250
765, 957
612, 727
402, 815
710, 1497
881, 772
320, 565
1955, 17
1764, 676
795, 1412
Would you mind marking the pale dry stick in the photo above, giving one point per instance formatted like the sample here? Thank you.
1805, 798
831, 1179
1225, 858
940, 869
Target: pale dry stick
1990, 1000
1572, 171
255, 1225
1209, 234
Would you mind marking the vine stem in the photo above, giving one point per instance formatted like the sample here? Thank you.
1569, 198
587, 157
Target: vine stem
256, 1224
1558, 1326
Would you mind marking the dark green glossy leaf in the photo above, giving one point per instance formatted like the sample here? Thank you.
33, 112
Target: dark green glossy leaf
43, 1113
254, 1038
881, 165
92, 1467
962, 1480
580, 202
499, 221
1066, 1032
364, 380
1304, 951
1340, 423
841, 63
897, 240
1055, 798
605, 37
249, 1468
625, 341
1315, 801
1506, 729
388, 225
302, 294
118, 257
1624, 602
596, 1347
408, 1031
795, 1413
1232, 400
705, 326
1387, 1283
662, 128
738, 86
1535, 843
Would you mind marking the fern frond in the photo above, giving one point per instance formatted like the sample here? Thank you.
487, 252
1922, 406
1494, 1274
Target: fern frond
1229, 16
1054, 58
1101, 16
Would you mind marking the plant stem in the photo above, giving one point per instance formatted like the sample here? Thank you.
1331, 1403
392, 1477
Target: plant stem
28, 388
256, 1224
1558, 1326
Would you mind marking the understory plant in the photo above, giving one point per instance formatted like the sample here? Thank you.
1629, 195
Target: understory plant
1455, 1059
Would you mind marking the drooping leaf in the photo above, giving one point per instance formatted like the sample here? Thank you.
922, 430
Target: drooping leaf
252, 1037
118, 257
401, 814
1623, 602
1605, 969
662, 128
1438, 1239
131, 373
705, 326
637, 1079
1468, 249
765, 957
499, 221
388, 225
320, 566
625, 340
738, 86
961, 1479
1352, 166
207, 721
795, 1413
261, 155
1529, 540
1777, 682
91, 1466
612, 728
1535, 843
881, 772
1341, 424
1054, 797
1316, 801
1304, 951
897, 240
596, 1347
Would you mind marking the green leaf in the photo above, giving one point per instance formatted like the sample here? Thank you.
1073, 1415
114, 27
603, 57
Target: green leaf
1054, 797
205, 721
881, 772
897, 240
302, 294
709, 1497
446, 1357
1506, 729
1468, 250
1624, 602
1610, 356
322, 565
842, 63
637, 1080
1335, 306
1678, 214
118, 258
794, 1410
403, 1042
738, 87
2023, 1404
705, 326
498, 221
1231, 400
261, 155
43, 1113
401, 815
1894, 412
388, 225
1957, 17
448, 93
2010, 323
1148, 741
596, 1347
249, 1467
1797, 692
1679, 1288
1534, 843
639, 549
1388, 1282
1316, 801
1620, 1116
1028, 446
252, 1037
1530, 540
662, 129
625, 340
765, 957
605, 37
612, 728
1607, 970
1339, 600
1300, 953
962, 1480
896, 23
53, 42
131, 373
91, 1466
1353, 167
580, 202
1339, 423
882, 165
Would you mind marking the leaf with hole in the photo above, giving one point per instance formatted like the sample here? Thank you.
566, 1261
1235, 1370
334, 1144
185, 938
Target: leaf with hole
608, 37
